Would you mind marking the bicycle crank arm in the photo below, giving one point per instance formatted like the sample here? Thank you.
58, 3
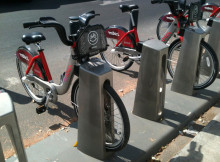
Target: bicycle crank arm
44, 84
130, 51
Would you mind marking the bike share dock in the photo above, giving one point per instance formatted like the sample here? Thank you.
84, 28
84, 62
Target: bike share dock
146, 136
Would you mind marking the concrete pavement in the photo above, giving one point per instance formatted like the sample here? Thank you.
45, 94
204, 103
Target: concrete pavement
204, 147
146, 137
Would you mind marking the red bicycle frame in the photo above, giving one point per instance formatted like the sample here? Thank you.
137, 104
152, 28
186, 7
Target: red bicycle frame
134, 30
215, 12
44, 62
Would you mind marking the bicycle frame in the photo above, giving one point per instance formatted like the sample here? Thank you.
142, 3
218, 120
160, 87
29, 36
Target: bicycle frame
56, 89
171, 30
134, 31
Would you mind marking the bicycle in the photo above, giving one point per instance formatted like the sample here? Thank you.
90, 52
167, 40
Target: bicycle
124, 44
169, 24
209, 10
208, 66
85, 41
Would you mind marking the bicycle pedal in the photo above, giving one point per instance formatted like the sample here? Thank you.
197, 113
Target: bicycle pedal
126, 58
41, 109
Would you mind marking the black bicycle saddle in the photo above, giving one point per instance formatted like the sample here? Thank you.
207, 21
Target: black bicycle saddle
128, 8
33, 37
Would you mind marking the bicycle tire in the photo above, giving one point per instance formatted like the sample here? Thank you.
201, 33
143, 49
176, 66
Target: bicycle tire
159, 31
121, 109
30, 88
208, 59
115, 59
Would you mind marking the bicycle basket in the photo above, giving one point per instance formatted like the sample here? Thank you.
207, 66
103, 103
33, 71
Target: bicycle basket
91, 41
195, 12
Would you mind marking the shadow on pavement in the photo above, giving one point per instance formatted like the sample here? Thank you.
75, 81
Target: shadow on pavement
172, 118
17, 97
194, 151
18, 5
127, 154
131, 73
64, 112
205, 94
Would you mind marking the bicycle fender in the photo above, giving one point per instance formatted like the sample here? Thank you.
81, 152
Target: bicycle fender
117, 32
25, 54
210, 7
167, 17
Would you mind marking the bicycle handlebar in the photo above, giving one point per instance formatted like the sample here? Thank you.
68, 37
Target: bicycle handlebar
47, 22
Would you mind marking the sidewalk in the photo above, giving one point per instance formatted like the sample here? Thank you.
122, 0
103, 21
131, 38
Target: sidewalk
146, 137
204, 147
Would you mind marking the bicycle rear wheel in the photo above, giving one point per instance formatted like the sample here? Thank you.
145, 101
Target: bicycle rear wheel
118, 61
116, 134
34, 90
208, 66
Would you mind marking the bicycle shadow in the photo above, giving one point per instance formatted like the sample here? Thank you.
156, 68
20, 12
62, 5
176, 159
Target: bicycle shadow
18, 5
130, 73
64, 112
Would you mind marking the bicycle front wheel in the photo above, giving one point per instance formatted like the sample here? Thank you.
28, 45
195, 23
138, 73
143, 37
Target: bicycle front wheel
118, 61
208, 66
117, 126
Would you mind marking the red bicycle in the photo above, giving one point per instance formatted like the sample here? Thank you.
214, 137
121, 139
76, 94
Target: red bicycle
85, 41
208, 66
209, 10
123, 43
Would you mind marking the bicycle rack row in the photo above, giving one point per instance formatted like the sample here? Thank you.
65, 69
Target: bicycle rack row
150, 93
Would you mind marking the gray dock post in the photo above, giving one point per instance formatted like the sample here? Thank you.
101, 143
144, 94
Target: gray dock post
214, 38
8, 118
151, 85
91, 126
187, 66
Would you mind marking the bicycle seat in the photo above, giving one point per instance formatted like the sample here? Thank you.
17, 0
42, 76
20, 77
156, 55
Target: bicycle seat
33, 37
128, 8
74, 18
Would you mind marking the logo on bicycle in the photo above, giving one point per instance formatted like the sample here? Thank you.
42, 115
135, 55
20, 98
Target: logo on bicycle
24, 57
209, 8
93, 37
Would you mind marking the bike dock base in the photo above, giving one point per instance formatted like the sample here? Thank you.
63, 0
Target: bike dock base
146, 137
